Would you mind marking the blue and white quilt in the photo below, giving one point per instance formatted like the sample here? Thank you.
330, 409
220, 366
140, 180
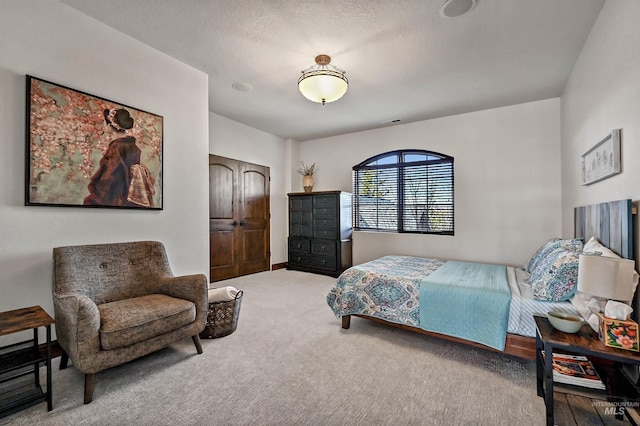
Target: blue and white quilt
467, 300
391, 288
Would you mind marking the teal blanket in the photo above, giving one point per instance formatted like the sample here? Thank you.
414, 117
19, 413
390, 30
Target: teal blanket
467, 300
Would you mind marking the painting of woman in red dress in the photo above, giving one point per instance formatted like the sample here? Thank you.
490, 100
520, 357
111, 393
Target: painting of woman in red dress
88, 151
121, 180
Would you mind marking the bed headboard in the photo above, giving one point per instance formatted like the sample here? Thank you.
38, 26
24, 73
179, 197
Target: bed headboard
611, 223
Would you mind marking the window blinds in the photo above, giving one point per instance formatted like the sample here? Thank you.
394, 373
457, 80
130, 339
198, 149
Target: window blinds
405, 197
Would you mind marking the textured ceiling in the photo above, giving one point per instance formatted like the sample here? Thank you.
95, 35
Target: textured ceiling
403, 60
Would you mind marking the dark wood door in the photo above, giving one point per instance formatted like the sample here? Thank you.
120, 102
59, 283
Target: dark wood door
238, 218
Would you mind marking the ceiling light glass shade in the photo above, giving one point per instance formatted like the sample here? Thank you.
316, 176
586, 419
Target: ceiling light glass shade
323, 83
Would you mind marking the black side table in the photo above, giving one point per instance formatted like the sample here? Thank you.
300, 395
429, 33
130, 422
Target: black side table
20, 362
584, 342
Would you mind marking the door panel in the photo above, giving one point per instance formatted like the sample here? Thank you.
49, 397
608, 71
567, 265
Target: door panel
254, 223
301, 217
221, 258
255, 193
254, 254
221, 191
238, 218
223, 232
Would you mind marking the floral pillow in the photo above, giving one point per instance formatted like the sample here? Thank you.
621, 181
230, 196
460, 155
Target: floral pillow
574, 244
545, 249
559, 280
543, 265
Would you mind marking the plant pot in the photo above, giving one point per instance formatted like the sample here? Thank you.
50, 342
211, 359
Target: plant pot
307, 183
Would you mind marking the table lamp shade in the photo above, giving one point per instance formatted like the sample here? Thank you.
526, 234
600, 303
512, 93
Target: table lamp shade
606, 277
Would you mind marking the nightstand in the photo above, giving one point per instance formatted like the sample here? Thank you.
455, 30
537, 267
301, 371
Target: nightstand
585, 342
20, 362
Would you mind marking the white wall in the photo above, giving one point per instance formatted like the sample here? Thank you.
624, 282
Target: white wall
603, 93
507, 180
54, 42
231, 139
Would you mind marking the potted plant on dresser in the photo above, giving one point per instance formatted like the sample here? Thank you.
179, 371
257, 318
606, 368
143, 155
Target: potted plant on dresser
307, 175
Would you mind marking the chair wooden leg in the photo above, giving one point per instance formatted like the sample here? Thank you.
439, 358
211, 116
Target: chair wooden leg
196, 341
64, 360
89, 381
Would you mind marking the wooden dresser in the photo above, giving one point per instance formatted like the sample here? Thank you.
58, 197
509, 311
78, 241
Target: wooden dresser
320, 227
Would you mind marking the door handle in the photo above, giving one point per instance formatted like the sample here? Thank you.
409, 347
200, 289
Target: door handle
235, 223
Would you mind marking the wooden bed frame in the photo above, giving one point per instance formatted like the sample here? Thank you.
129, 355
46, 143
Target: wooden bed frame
519, 346
611, 223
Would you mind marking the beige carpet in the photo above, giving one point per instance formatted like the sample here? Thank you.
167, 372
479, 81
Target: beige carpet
290, 363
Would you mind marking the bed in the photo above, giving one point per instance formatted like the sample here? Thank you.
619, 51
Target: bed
445, 298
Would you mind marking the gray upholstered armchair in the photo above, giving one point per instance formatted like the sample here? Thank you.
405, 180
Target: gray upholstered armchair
117, 302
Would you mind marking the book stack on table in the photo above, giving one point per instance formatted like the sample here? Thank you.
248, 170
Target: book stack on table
575, 370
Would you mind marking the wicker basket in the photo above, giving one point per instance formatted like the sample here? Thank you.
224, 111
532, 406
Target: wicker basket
222, 318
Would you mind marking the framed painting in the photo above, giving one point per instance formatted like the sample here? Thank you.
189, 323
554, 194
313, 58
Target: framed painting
602, 160
87, 151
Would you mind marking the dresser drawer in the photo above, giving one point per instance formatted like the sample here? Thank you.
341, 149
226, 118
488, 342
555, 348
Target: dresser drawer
299, 245
327, 248
325, 201
327, 222
299, 259
324, 262
331, 212
327, 234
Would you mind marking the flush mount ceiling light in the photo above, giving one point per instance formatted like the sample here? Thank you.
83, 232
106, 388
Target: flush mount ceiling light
323, 83
456, 8
242, 87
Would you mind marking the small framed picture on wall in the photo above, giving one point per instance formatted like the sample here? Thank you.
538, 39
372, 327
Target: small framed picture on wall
602, 160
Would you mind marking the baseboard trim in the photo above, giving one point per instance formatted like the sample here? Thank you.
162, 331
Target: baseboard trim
277, 266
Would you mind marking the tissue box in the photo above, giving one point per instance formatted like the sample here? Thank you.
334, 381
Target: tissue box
621, 334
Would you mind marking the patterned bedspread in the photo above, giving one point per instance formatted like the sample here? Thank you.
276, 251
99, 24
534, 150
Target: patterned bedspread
386, 288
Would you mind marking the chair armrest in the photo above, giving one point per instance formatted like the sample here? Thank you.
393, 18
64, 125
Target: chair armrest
188, 287
77, 327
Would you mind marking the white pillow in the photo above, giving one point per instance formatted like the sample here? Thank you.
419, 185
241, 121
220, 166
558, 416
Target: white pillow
593, 246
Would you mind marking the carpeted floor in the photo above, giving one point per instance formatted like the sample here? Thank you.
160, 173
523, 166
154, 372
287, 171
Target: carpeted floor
290, 363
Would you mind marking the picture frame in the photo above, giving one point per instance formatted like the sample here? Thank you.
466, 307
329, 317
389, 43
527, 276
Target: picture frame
602, 160
83, 150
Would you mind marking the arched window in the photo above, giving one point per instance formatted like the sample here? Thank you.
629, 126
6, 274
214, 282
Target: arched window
404, 191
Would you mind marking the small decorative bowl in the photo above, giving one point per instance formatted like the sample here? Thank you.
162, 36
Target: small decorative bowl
563, 321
